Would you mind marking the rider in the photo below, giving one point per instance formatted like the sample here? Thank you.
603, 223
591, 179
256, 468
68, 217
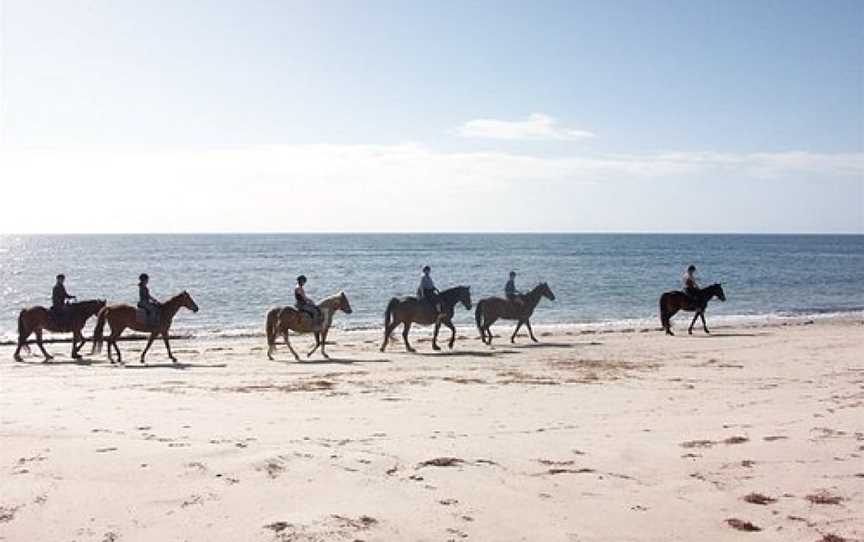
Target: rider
510, 290
59, 295
429, 292
304, 303
689, 284
146, 301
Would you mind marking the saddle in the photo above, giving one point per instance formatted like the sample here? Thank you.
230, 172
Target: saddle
141, 317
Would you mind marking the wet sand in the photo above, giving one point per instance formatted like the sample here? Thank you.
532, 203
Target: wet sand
756, 432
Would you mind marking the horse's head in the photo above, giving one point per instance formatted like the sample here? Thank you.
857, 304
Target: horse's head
465, 296
546, 291
344, 305
187, 301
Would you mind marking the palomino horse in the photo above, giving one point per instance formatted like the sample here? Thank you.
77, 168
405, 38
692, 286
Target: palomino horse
121, 316
35, 319
408, 310
674, 301
282, 319
492, 308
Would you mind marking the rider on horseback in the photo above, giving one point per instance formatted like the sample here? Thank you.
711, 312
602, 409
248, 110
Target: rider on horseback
305, 304
689, 284
59, 296
510, 291
429, 292
146, 301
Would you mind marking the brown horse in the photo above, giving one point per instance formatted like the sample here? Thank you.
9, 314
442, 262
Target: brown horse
36, 319
492, 308
121, 316
674, 301
282, 319
408, 310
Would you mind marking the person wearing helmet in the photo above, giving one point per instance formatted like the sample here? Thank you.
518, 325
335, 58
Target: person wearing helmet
146, 301
59, 296
689, 284
304, 303
428, 291
510, 291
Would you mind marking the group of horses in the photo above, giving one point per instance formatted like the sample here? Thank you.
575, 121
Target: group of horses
404, 311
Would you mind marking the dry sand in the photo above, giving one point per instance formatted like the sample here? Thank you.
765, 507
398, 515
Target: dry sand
585, 437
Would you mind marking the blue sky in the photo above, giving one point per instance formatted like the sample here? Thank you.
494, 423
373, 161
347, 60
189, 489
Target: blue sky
549, 116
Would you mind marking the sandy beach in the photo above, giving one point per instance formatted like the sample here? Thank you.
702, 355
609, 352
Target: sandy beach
753, 433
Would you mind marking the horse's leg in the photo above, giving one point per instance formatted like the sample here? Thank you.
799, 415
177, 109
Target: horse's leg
704, 325
168, 346
41, 346
668, 324
22, 342
149, 342
324, 341
406, 327
515, 331
387, 331
291, 348
449, 323
317, 344
690, 329
531, 331
435, 335
76, 336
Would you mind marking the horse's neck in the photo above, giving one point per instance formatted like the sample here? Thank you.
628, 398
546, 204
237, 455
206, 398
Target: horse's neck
170, 307
450, 297
534, 296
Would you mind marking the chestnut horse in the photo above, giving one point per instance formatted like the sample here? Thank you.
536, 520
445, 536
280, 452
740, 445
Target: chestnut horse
492, 308
121, 316
282, 319
35, 319
408, 310
674, 301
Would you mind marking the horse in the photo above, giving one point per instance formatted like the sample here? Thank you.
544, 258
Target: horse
492, 308
121, 316
410, 309
35, 319
282, 319
674, 301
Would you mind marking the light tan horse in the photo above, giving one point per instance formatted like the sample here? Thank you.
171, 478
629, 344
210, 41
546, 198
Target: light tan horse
122, 316
35, 319
282, 319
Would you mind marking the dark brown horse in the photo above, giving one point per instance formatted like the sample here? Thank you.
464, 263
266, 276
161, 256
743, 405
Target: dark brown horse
408, 310
674, 301
36, 319
492, 308
282, 319
121, 316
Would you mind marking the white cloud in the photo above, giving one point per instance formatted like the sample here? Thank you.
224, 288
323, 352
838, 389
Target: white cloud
405, 187
537, 126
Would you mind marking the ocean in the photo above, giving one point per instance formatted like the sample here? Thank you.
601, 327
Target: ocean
598, 279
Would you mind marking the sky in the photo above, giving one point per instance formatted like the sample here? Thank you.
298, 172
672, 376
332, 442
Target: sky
367, 116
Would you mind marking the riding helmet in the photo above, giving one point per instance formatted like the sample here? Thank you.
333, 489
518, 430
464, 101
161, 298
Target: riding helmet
61, 276
427, 269
143, 276
301, 278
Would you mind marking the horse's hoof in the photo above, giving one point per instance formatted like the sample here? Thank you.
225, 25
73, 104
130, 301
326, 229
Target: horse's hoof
173, 360
436, 347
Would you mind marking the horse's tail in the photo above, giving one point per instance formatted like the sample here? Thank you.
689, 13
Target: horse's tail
21, 330
272, 326
98, 331
478, 315
388, 312
664, 314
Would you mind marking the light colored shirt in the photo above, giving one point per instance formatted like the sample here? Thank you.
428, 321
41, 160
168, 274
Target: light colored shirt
689, 281
426, 283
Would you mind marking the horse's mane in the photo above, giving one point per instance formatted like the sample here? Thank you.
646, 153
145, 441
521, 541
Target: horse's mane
332, 298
